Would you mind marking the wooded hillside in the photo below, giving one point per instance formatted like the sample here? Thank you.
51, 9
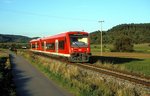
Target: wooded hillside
139, 33
5, 38
13, 38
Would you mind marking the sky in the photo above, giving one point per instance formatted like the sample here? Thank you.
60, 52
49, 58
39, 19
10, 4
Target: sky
41, 18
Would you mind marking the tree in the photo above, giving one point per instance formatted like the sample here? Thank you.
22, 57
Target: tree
123, 44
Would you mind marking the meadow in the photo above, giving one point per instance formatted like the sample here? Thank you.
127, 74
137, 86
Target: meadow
140, 48
136, 62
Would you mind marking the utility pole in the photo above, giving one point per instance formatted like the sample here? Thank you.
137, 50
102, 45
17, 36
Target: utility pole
101, 37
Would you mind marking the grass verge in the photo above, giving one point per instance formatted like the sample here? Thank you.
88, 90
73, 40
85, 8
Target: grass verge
7, 87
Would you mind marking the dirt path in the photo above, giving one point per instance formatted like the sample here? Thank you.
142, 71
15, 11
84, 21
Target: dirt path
124, 54
31, 82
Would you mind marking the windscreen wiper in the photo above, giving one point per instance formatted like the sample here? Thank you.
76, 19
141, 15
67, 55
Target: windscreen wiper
76, 44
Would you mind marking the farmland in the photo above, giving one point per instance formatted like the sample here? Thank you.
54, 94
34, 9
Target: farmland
137, 62
138, 48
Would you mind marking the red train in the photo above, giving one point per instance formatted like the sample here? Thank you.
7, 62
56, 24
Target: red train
74, 45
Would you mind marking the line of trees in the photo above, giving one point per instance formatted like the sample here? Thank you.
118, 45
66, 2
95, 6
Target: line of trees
14, 45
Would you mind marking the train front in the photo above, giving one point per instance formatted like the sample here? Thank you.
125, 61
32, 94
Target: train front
79, 47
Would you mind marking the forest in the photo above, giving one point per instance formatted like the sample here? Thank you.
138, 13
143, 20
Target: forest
6, 38
139, 33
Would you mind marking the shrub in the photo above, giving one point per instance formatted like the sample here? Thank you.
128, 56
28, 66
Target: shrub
123, 44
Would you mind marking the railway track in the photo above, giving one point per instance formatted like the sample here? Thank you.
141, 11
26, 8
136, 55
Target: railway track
135, 78
122, 75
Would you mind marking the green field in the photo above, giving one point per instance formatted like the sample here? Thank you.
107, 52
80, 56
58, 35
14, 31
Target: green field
137, 61
143, 48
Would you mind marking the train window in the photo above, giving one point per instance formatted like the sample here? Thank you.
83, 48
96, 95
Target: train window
61, 44
42, 45
79, 40
50, 46
33, 45
37, 45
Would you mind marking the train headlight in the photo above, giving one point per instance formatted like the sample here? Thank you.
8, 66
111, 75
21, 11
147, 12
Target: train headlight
71, 49
80, 49
87, 49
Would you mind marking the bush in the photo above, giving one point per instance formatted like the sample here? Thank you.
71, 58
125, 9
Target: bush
123, 44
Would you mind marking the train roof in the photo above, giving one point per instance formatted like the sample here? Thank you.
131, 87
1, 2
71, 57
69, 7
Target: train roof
34, 40
64, 34
59, 35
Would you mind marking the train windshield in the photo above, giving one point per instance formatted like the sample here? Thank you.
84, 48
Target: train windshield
79, 40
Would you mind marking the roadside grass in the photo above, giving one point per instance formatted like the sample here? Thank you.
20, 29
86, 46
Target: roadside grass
3, 53
79, 81
7, 87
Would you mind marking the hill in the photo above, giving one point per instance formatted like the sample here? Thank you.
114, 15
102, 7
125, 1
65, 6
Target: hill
140, 33
5, 38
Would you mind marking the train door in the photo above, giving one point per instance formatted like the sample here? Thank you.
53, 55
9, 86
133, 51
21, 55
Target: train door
56, 46
31, 46
44, 45
35, 45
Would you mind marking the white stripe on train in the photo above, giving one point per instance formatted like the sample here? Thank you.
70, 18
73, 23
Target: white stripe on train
52, 53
